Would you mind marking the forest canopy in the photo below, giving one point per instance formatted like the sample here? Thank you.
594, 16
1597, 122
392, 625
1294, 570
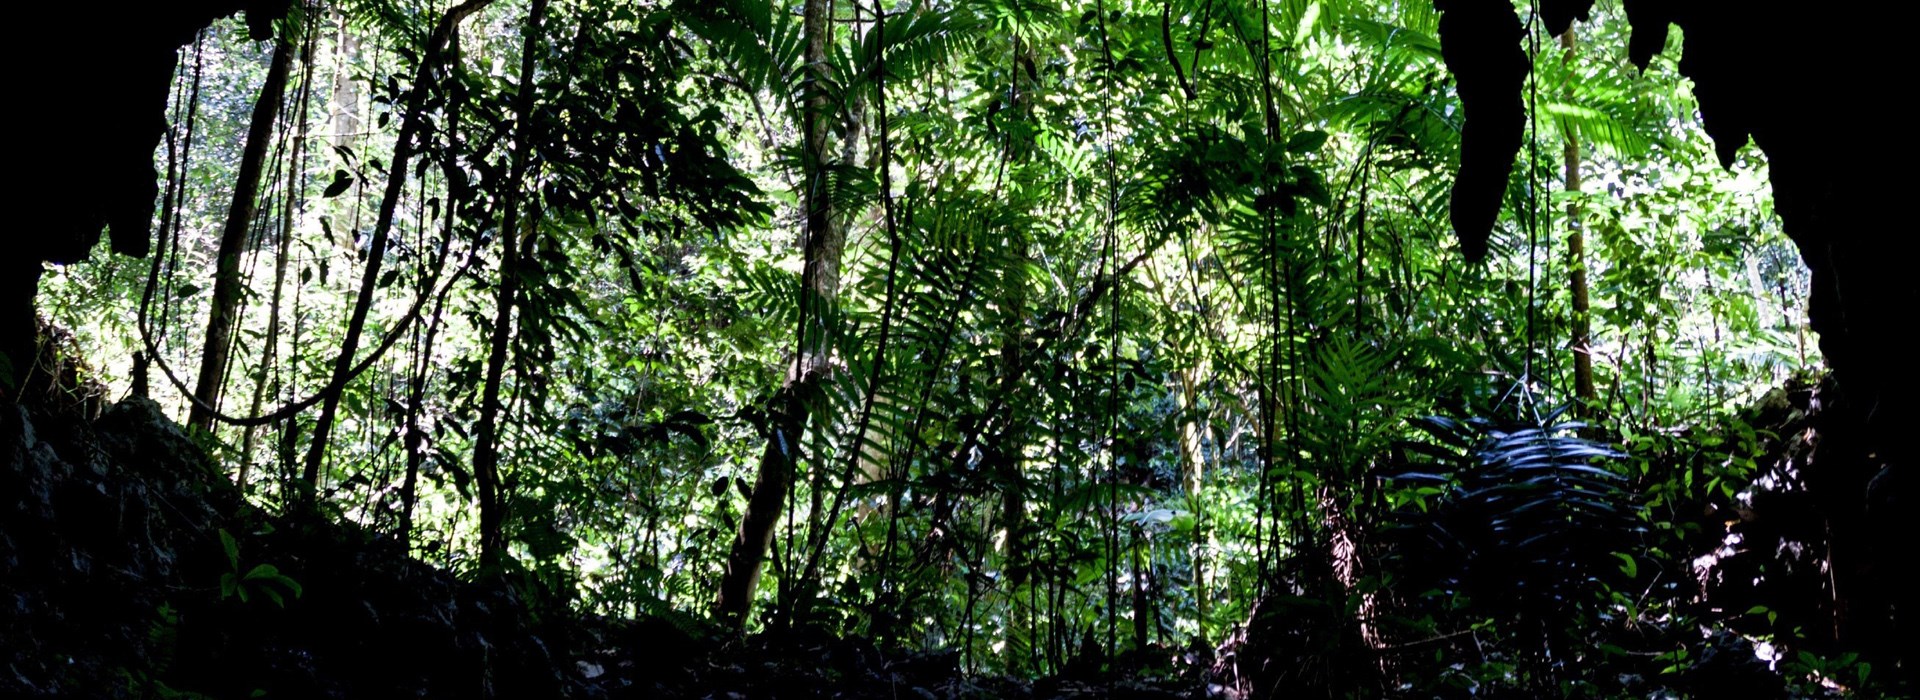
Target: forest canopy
1045, 333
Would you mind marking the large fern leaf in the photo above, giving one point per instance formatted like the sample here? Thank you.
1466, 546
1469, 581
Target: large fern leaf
1527, 516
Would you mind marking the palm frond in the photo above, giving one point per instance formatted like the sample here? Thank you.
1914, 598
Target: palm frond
1596, 126
915, 44
1528, 515
760, 45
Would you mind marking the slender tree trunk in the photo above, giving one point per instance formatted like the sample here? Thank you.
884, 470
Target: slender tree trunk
486, 445
1577, 267
233, 240
344, 112
416, 400
1142, 605
421, 365
271, 352
1192, 451
862, 463
282, 254
818, 518
757, 526
344, 124
821, 248
411, 126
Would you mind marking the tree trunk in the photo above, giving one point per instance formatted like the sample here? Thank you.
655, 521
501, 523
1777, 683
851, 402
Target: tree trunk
1142, 603
418, 368
821, 248
344, 112
282, 254
750, 544
1577, 267
819, 519
486, 446
411, 128
233, 241
1193, 427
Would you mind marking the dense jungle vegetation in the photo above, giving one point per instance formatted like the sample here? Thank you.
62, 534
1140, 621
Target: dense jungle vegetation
1119, 343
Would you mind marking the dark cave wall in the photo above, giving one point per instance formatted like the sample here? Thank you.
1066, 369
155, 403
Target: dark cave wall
1815, 87
98, 125
95, 82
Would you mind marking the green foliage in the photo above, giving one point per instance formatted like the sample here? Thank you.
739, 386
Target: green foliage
1159, 288
1527, 517
259, 580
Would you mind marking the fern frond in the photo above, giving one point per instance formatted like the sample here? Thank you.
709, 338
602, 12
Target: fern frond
1529, 515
